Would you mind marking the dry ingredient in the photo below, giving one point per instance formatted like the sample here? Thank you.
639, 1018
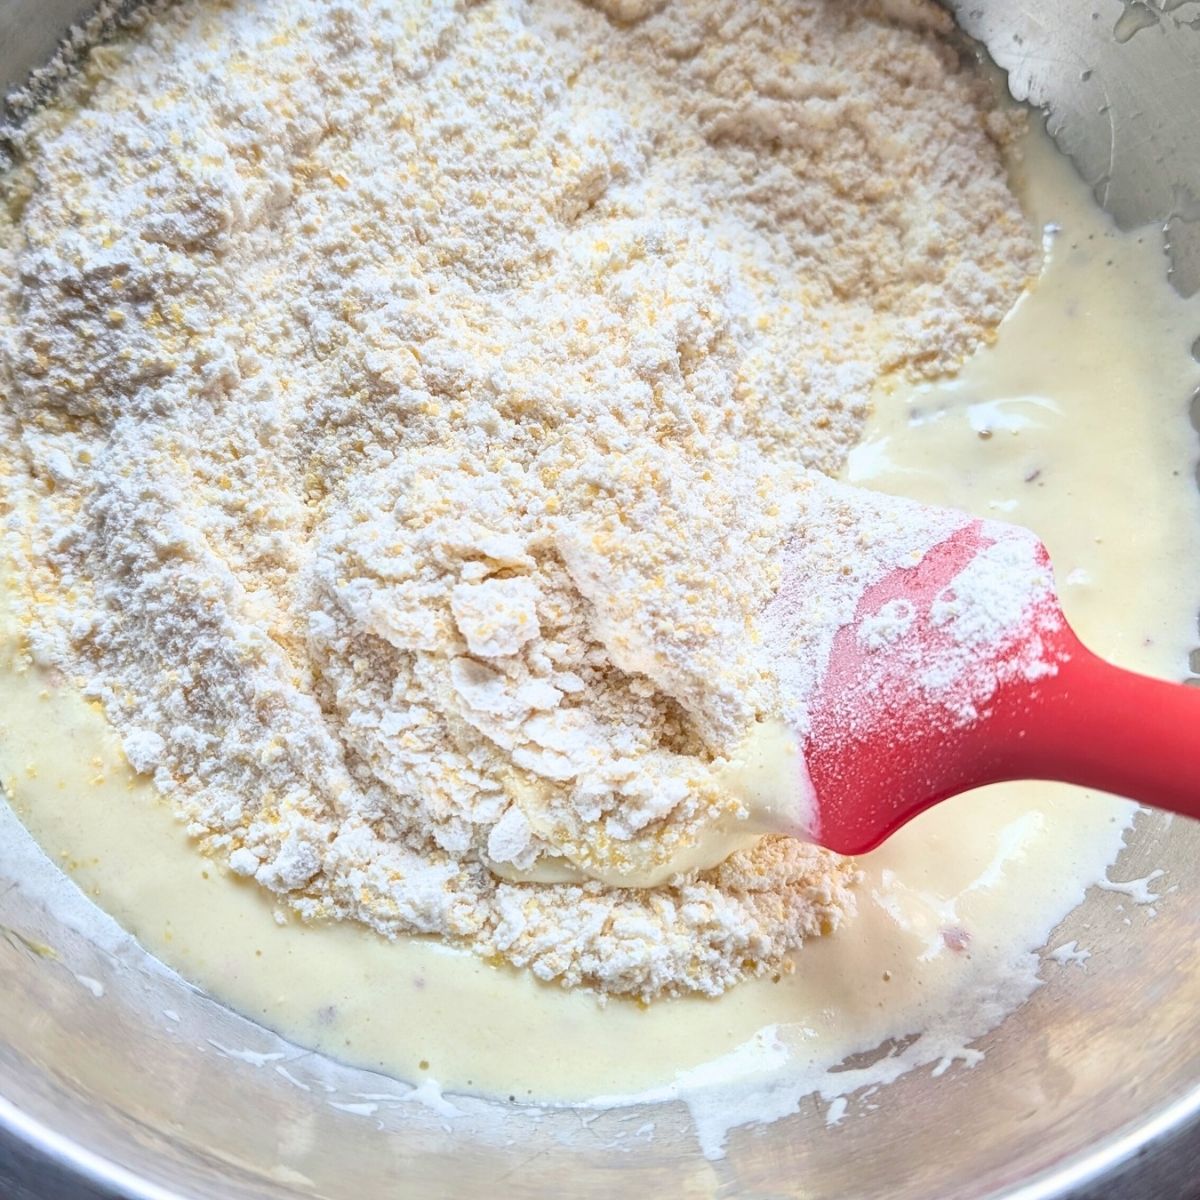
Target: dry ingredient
414, 402
854, 659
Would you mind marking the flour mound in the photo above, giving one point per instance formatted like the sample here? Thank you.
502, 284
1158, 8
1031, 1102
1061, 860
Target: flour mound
410, 402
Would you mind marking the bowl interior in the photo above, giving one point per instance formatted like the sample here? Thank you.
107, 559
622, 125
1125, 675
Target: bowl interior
120, 1073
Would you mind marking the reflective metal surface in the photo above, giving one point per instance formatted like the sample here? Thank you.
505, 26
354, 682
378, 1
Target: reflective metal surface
1121, 82
117, 1079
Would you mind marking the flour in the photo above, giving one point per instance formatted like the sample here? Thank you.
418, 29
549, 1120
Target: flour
991, 624
887, 626
935, 653
418, 403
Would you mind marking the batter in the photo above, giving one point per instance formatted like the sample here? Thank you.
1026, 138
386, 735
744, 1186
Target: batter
408, 478
933, 932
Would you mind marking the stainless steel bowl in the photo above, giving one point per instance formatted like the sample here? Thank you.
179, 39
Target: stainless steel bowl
116, 1077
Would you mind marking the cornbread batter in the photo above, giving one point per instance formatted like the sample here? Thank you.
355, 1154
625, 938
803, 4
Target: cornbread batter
411, 428
934, 931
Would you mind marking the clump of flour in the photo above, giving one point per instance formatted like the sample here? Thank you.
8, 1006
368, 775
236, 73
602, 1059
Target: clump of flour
863, 647
411, 403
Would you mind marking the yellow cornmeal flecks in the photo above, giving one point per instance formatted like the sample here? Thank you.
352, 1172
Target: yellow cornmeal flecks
409, 403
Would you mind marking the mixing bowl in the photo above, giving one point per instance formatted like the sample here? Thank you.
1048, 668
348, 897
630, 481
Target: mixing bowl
118, 1079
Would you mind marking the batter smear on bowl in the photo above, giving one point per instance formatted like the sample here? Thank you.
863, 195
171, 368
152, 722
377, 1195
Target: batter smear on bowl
411, 404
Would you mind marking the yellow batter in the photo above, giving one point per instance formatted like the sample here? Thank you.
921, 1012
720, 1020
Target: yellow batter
1074, 423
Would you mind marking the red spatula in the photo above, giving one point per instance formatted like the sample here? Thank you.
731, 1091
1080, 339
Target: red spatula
962, 671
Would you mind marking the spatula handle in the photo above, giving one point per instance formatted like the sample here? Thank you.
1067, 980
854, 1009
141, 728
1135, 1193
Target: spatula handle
1106, 728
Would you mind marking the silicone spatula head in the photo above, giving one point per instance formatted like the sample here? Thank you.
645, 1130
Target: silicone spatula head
960, 670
